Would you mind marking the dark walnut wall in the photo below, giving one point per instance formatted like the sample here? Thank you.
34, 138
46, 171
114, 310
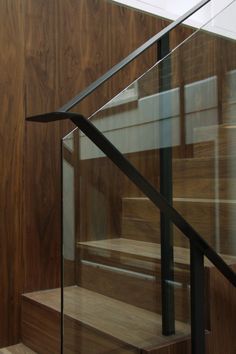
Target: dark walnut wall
50, 50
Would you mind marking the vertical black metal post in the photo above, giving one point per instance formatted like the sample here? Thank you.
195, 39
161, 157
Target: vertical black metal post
167, 266
197, 301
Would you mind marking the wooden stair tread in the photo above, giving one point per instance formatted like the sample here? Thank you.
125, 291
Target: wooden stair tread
138, 249
145, 250
127, 323
17, 349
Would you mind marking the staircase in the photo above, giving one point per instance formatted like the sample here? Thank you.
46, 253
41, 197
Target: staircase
115, 306
133, 288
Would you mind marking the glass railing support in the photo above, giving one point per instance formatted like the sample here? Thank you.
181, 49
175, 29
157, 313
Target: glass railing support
167, 252
197, 300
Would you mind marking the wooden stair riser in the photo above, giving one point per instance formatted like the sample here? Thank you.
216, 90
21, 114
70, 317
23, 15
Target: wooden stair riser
41, 332
210, 188
214, 139
132, 255
136, 289
204, 177
40, 328
83, 340
141, 221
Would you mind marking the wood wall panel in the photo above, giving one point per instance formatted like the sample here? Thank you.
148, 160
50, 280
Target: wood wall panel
116, 31
42, 150
82, 49
222, 306
11, 158
126, 37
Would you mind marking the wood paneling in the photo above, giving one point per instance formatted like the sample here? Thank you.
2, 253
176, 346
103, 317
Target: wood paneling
222, 308
42, 150
11, 172
81, 23
61, 61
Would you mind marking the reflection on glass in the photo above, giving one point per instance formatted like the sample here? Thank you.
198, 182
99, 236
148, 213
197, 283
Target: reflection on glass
185, 104
112, 276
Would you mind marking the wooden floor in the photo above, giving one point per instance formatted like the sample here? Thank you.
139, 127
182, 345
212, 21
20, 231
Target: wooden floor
143, 250
129, 324
17, 349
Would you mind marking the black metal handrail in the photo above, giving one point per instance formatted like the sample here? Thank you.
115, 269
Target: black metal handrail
115, 69
133, 174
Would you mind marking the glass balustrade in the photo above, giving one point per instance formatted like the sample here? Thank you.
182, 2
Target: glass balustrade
176, 125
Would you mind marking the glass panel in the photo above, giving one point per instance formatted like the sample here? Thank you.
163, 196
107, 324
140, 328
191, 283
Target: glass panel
112, 259
176, 125
183, 111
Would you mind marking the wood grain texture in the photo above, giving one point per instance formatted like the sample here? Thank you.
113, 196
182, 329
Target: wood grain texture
17, 349
222, 308
144, 250
80, 339
177, 347
60, 61
124, 323
141, 220
136, 249
117, 49
42, 150
11, 167
81, 23
40, 327
197, 177
137, 289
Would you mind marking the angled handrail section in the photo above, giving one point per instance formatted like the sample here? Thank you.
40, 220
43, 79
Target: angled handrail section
134, 175
116, 68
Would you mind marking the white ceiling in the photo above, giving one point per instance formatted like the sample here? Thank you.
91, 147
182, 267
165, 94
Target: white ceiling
223, 23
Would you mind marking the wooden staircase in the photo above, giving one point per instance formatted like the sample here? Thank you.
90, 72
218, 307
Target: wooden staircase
114, 304
115, 308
